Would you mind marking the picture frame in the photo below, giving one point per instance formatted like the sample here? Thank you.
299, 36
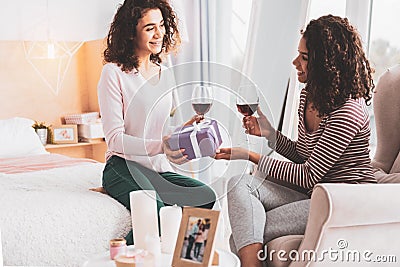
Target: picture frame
198, 226
64, 134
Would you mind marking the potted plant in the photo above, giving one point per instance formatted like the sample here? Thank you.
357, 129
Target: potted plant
41, 129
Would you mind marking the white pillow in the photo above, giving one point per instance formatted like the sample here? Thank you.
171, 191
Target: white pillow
19, 139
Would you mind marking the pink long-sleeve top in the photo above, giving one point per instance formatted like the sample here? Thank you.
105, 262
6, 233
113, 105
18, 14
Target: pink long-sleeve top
134, 112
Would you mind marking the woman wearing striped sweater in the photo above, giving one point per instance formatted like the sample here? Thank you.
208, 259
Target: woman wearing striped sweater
332, 144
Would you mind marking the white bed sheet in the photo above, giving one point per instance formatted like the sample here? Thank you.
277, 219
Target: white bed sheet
50, 218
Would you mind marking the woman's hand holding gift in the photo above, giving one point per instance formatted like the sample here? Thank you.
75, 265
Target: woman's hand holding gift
175, 156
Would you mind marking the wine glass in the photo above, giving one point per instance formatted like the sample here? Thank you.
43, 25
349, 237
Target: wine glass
202, 99
247, 100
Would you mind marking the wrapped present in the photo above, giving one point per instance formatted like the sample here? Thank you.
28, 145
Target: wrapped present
198, 140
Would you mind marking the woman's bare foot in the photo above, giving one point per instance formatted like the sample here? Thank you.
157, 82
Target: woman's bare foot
98, 189
248, 255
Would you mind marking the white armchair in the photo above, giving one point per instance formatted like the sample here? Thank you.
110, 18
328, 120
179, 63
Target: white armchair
347, 225
357, 220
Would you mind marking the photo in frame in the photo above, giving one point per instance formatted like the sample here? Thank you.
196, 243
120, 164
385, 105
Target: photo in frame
64, 134
195, 242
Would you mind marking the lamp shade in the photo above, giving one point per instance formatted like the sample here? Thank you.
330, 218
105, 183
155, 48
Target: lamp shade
43, 20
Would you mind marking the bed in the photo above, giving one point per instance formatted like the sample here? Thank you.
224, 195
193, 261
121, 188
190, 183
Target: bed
48, 215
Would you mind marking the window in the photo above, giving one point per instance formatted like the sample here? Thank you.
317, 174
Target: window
384, 49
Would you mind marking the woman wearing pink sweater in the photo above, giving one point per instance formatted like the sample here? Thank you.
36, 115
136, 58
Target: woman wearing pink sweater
135, 97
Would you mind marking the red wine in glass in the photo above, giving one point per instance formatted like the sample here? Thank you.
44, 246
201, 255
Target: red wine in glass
247, 109
201, 108
247, 101
202, 99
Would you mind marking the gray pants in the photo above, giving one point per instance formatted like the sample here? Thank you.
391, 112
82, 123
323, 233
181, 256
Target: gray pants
261, 210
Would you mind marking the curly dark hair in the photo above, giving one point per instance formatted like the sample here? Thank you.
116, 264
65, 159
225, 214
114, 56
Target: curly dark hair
122, 35
337, 66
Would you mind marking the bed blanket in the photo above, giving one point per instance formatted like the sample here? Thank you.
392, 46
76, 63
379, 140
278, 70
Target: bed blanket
38, 163
51, 218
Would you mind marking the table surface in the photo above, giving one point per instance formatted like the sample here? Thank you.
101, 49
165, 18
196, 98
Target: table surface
226, 258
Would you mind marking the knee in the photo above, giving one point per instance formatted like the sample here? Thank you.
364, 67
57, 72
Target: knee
212, 197
234, 181
239, 182
209, 198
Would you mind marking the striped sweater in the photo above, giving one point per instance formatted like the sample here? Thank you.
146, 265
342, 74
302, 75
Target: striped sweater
337, 152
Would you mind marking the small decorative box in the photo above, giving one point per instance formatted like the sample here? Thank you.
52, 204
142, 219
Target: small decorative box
84, 118
198, 140
91, 131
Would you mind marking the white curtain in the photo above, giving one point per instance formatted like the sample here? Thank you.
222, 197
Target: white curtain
277, 34
290, 117
359, 14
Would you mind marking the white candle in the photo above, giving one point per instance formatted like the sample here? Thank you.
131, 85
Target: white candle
144, 216
170, 221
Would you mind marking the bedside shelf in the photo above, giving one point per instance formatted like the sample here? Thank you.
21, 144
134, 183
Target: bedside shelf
53, 146
94, 150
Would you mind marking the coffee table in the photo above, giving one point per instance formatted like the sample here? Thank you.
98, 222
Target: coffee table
226, 258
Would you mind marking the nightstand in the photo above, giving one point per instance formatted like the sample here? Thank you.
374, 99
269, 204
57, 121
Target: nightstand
93, 150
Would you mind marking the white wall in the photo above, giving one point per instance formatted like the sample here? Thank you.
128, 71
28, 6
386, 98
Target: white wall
43, 20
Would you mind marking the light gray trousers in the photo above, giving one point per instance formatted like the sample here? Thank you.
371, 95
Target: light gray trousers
261, 210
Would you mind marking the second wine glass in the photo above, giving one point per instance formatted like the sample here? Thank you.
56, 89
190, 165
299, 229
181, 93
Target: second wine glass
202, 99
247, 101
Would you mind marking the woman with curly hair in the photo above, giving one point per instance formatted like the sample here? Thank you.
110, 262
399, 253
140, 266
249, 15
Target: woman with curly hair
135, 101
332, 144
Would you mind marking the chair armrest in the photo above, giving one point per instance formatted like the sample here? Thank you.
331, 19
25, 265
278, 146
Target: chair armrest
359, 204
358, 213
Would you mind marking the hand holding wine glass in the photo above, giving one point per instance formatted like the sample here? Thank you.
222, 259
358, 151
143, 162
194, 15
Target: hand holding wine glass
259, 126
202, 99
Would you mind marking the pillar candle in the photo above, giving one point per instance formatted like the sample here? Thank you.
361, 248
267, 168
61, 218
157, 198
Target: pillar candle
144, 216
170, 221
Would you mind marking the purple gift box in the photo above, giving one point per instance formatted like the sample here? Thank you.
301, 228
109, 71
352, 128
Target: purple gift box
198, 140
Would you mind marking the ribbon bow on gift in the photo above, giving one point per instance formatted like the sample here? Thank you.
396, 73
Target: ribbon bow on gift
197, 127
